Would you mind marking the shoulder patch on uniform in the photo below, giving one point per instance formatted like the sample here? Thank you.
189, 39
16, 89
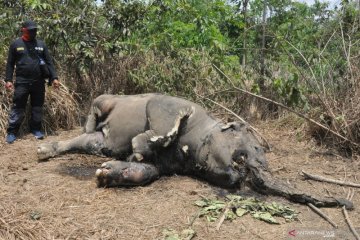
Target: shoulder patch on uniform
20, 49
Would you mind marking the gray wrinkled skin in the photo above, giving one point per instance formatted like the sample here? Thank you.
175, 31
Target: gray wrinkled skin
163, 135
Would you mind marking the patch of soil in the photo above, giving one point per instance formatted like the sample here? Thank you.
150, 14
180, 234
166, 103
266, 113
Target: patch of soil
58, 199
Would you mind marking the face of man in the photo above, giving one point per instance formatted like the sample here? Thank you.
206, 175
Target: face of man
29, 34
32, 33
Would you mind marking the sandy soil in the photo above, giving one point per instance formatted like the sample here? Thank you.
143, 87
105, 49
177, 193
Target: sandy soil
58, 199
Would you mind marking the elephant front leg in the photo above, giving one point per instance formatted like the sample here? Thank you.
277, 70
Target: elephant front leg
119, 173
145, 144
141, 146
92, 143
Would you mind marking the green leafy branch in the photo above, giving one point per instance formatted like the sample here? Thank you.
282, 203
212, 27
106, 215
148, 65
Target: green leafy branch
240, 206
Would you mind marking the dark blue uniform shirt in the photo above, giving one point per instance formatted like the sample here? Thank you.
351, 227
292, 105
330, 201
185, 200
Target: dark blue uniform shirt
25, 57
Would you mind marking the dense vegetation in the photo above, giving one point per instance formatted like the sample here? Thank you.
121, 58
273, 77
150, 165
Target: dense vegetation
304, 57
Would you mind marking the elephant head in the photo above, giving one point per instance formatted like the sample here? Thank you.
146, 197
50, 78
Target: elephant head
234, 154
228, 152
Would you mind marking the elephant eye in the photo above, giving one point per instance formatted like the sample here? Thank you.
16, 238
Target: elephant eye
239, 155
258, 149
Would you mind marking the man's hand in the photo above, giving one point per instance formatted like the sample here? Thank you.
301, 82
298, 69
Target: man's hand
56, 83
9, 86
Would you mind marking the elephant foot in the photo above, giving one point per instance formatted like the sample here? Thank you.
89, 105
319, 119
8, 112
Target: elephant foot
46, 151
119, 173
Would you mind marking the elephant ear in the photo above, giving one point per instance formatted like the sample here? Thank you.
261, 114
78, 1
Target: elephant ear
263, 142
238, 126
234, 125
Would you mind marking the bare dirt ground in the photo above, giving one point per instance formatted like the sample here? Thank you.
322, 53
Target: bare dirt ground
58, 199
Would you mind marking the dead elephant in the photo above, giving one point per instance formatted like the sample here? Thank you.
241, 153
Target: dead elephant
164, 135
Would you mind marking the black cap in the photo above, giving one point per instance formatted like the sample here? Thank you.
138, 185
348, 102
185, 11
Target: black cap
29, 25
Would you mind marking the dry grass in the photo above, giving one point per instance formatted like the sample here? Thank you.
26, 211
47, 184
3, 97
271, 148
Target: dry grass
61, 111
5, 100
109, 76
58, 199
342, 115
21, 227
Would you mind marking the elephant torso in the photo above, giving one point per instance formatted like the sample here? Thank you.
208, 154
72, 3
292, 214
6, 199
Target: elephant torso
121, 118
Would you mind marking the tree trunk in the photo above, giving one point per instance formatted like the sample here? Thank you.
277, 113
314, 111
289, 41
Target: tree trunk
262, 70
244, 13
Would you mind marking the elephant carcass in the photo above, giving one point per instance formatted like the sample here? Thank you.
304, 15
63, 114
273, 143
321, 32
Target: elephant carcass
164, 135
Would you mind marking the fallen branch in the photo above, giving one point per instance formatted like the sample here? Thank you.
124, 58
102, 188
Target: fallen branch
349, 223
3, 221
222, 218
318, 211
278, 169
349, 194
194, 218
352, 195
328, 180
288, 109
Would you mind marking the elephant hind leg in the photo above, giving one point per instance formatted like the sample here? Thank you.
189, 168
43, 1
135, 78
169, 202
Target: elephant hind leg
119, 173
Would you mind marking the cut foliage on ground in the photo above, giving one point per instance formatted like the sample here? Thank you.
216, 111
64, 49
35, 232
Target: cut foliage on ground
237, 206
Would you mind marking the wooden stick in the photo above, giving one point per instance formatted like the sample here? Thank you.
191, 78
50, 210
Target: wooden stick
3, 221
194, 218
349, 194
318, 211
278, 169
349, 223
289, 109
352, 195
222, 218
323, 179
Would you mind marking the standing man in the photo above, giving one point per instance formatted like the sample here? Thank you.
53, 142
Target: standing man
25, 56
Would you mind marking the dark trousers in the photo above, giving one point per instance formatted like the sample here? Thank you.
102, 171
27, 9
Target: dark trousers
36, 91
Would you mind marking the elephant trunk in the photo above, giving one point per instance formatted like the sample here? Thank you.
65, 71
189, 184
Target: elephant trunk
264, 182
